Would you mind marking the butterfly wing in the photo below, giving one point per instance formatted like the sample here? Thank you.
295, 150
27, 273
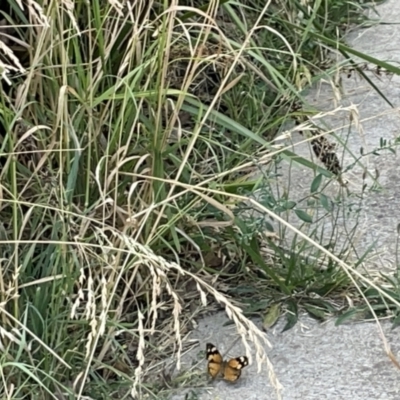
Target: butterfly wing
233, 368
214, 360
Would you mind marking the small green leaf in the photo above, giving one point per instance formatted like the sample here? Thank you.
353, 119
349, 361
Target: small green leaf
271, 316
316, 183
291, 316
268, 227
372, 293
304, 216
396, 322
349, 315
310, 202
253, 307
315, 312
288, 205
326, 202
239, 187
322, 304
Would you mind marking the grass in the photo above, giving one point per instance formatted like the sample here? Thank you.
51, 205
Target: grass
138, 171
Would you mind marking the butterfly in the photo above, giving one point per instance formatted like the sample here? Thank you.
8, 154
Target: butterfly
229, 370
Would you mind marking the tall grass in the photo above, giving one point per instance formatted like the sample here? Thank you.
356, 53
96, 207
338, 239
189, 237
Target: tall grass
132, 135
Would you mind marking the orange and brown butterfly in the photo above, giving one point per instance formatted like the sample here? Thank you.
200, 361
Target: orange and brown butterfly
229, 370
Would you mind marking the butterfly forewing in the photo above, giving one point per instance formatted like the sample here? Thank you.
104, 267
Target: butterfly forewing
214, 360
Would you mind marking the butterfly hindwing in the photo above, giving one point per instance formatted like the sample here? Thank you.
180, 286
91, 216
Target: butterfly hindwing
230, 370
233, 368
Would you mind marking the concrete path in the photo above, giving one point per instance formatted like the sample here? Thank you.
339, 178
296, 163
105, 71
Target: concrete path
314, 361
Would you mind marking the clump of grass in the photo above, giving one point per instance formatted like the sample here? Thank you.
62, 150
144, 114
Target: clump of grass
130, 137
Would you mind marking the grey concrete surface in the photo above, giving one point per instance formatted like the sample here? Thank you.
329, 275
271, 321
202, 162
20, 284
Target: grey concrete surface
314, 361
311, 361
